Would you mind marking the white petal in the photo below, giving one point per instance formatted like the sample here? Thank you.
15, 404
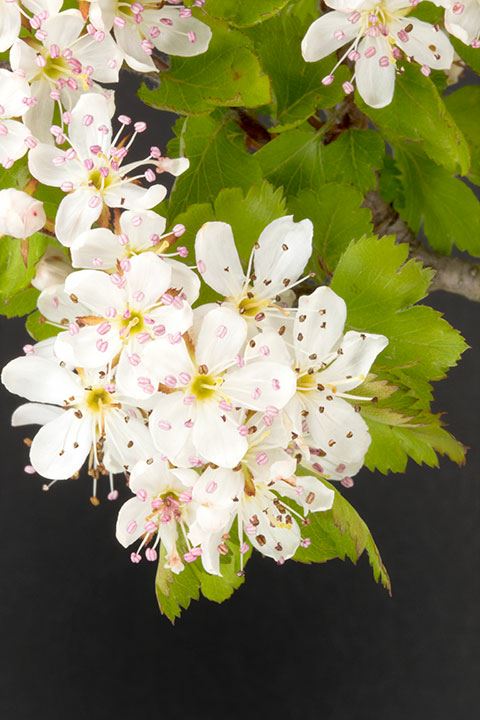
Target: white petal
148, 278
95, 290
14, 89
356, 355
104, 57
375, 83
50, 166
142, 228
282, 251
87, 349
125, 442
217, 259
13, 144
184, 280
134, 197
327, 34
171, 434
39, 117
131, 521
174, 39
40, 380
260, 384
56, 305
221, 338
91, 124
309, 492
97, 248
464, 25
216, 435
170, 360
428, 46
9, 24
129, 40
63, 29
60, 447
318, 325
35, 414
75, 214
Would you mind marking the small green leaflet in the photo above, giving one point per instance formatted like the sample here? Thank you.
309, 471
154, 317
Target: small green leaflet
244, 14
340, 533
464, 106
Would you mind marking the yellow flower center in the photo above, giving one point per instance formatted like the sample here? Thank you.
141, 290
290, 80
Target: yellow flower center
306, 383
204, 387
132, 325
97, 399
251, 305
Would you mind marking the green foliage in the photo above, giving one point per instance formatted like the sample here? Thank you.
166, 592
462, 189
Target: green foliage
464, 107
337, 219
341, 533
418, 115
446, 208
38, 328
215, 148
297, 85
244, 14
175, 592
227, 75
299, 160
18, 259
381, 287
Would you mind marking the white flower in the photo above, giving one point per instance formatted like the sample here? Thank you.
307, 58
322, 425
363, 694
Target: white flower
328, 364
462, 19
11, 14
376, 34
139, 232
21, 215
278, 259
51, 270
139, 28
256, 489
15, 138
91, 169
61, 65
127, 312
197, 419
82, 416
162, 503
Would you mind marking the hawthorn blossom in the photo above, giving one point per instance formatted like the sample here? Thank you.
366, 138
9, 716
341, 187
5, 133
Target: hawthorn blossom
257, 488
51, 270
462, 19
377, 35
127, 311
328, 364
91, 170
11, 12
21, 215
278, 259
205, 383
139, 232
140, 28
62, 63
162, 504
81, 416
15, 138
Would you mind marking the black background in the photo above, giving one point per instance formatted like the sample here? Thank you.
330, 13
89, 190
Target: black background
81, 635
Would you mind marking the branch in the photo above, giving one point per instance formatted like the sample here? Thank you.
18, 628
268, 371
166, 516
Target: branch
452, 274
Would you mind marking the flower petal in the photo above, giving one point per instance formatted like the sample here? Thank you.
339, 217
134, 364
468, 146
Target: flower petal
183, 36
97, 248
356, 355
76, 213
318, 326
170, 424
40, 380
327, 34
216, 435
217, 259
60, 447
427, 45
221, 338
375, 82
35, 414
261, 384
125, 442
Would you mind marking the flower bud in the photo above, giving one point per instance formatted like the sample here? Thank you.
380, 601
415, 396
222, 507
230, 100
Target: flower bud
20, 214
52, 269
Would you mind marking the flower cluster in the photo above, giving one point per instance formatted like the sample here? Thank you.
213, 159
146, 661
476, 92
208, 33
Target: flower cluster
223, 418
376, 35
62, 54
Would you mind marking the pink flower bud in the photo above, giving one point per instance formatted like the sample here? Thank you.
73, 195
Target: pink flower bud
20, 214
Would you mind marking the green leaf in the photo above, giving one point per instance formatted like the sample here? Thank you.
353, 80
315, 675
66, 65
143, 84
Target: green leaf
418, 115
298, 160
337, 217
470, 55
341, 533
176, 591
18, 259
20, 304
218, 159
464, 107
297, 85
15, 177
380, 287
228, 75
244, 14
444, 205
38, 328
